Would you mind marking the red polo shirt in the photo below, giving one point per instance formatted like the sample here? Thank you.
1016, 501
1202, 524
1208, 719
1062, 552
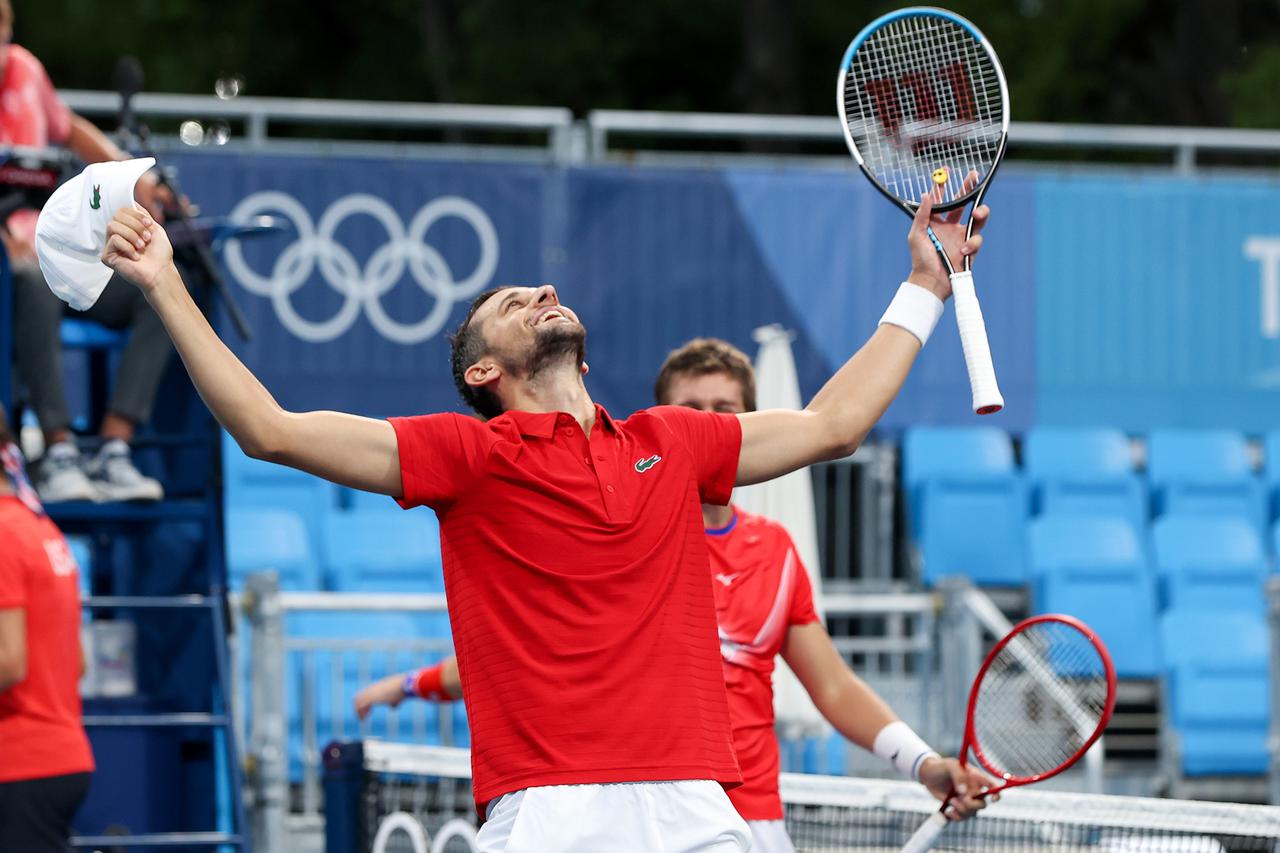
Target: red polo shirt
577, 575
761, 590
40, 731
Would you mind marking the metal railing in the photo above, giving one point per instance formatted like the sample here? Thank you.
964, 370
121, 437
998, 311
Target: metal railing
260, 115
920, 651
597, 137
855, 506
300, 691
1182, 144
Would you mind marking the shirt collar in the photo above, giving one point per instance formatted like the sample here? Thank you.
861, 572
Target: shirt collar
543, 424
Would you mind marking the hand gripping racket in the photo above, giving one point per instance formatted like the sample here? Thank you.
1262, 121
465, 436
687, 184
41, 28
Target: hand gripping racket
1042, 697
924, 106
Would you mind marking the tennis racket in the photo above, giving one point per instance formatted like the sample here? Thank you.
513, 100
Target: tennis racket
1042, 697
925, 108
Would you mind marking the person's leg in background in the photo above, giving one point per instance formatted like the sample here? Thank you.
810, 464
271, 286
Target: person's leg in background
142, 365
36, 814
37, 351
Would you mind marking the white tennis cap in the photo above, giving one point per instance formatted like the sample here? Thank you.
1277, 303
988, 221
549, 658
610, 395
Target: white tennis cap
72, 229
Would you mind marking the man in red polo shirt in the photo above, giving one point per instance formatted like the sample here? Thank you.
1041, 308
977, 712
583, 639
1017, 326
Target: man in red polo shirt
45, 759
764, 607
574, 554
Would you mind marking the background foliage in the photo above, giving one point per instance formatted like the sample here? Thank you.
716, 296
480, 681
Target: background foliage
1185, 62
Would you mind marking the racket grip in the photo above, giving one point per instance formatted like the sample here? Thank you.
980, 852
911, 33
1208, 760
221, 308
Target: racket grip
928, 832
973, 340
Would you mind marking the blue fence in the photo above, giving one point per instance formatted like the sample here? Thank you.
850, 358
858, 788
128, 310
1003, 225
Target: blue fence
1128, 300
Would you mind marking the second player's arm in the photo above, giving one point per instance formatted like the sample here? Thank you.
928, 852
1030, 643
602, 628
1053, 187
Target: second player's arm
844, 699
358, 452
859, 714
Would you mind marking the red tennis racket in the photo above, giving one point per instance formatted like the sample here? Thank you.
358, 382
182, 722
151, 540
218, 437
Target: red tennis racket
1042, 697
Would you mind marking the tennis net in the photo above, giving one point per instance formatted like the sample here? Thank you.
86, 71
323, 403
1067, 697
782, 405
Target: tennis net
399, 798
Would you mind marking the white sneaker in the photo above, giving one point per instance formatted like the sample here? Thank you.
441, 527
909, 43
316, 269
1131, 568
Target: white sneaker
116, 479
62, 476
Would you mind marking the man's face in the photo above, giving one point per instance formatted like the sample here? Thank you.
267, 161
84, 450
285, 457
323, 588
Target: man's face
526, 329
706, 392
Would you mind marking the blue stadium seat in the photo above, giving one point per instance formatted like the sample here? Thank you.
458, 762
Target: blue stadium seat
1271, 471
968, 505
975, 528
1204, 472
1084, 472
253, 483
376, 551
1095, 568
932, 452
267, 539
1216, 690
1209, 562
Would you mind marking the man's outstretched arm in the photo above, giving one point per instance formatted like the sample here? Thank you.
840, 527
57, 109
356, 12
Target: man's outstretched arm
839, 417
358, 452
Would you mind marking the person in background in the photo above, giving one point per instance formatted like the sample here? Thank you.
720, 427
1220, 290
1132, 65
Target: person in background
45, 759
436, 683
32, 114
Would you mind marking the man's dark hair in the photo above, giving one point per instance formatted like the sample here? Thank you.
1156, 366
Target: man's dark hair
469, 346
702, 356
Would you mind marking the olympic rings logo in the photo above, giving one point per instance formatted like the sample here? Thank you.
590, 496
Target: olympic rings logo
364, 287
418, 839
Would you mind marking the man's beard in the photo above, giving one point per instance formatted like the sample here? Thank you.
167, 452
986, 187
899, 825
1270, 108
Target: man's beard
553, 346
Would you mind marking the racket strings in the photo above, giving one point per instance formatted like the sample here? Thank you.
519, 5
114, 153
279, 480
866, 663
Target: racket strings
922, 94
1043, 698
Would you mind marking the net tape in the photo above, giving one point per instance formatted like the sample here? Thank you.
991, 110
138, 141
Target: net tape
922, 94
829, 814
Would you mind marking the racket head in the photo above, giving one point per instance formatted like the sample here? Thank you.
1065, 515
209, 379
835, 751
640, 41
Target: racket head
923, 102
1043, 696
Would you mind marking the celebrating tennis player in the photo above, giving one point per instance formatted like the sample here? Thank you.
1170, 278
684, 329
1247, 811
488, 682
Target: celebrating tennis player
764, 607
574, 555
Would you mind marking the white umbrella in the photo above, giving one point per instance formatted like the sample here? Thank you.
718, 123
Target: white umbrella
789, 501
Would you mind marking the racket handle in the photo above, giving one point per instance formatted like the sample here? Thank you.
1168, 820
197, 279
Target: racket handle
973, 340
928, 832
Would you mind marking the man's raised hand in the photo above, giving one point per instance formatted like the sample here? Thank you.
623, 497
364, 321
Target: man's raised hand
137, 247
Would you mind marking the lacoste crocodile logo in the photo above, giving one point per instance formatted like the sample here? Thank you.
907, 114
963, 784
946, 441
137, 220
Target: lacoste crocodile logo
97, 197
643, 465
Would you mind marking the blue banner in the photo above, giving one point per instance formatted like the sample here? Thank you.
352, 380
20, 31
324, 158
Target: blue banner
1153, 301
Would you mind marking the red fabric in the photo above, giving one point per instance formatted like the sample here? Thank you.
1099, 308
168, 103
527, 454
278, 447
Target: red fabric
40, 731
761, 590
428, 683
576, 571
31, 113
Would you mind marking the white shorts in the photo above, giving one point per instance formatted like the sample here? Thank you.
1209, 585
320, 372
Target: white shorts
691, 816
770, 836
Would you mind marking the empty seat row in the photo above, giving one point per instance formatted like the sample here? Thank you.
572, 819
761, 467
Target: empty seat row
969, 504
317, 536
1187, 471
1098, 568
1214, 686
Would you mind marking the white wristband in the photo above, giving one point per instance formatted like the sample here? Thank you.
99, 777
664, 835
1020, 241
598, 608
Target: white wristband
900, 746
915, 309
